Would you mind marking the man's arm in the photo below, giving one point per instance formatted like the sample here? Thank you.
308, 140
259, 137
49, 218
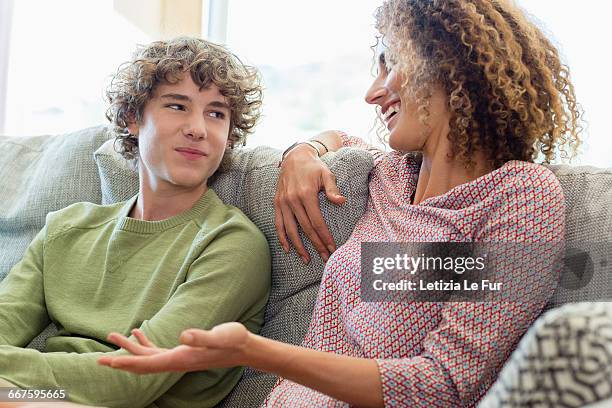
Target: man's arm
23, 314
230, 281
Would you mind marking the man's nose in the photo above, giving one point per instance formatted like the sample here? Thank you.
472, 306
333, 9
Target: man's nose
196, 129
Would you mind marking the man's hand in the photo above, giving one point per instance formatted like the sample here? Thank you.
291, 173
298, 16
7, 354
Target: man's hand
223, 346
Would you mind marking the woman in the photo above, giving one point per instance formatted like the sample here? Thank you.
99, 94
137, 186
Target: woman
478, 92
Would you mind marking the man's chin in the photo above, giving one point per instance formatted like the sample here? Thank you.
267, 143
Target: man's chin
190, 183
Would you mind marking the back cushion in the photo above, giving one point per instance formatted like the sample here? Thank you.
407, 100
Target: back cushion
40, 174
247, 180
588, 235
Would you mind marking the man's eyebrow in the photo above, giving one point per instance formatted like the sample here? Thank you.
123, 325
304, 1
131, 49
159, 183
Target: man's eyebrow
180, 97
219, 104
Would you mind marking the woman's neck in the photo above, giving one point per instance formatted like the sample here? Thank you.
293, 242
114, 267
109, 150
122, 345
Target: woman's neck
439, 173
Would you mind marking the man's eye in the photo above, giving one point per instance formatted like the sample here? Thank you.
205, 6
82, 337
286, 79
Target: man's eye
176, 106
217, 114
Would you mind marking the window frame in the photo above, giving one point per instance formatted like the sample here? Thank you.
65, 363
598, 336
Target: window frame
6, 19
214, 20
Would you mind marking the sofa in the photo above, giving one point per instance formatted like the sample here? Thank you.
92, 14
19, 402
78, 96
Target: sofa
565, 358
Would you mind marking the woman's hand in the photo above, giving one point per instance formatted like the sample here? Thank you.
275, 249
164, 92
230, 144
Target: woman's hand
222, 346
301, 178
45, 404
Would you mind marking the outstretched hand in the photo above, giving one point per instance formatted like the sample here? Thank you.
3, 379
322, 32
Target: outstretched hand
222, 346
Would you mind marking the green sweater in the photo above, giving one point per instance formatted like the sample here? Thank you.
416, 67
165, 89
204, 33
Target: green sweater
92, 270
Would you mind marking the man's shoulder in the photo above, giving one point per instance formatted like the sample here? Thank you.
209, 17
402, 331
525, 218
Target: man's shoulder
227, 216
229, 225
82, 215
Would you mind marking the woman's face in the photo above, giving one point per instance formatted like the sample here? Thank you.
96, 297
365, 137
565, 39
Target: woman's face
400, 113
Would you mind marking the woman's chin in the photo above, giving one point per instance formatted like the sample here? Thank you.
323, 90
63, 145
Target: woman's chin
400, 144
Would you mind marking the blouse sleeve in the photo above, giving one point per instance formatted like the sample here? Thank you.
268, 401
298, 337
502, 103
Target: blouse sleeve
353, 141
461, 358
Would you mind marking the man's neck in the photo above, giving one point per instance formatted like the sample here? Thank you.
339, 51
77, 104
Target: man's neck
160, 203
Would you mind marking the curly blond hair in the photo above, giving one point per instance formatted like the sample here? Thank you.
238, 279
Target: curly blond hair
165, 62
510, 96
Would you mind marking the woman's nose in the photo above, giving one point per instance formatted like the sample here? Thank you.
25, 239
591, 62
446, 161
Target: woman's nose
376, 92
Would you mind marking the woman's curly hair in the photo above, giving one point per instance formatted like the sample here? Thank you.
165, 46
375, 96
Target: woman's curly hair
165, 62
509, 95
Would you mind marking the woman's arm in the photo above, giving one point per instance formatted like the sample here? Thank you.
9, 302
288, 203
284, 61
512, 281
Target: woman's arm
350, 379
301, 178
331, 139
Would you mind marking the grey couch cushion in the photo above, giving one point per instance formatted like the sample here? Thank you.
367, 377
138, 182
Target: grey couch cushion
588, 219
565, 358
40, 174
247, 180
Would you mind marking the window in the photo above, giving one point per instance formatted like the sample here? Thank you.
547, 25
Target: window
61, 57
316, 63
576, 29
315, 58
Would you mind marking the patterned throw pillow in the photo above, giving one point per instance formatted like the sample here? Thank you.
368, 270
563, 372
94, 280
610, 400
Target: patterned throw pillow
564, 360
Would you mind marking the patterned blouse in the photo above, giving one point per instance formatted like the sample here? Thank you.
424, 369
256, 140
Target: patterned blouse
434, 354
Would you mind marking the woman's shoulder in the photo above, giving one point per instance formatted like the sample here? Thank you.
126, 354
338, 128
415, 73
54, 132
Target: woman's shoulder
526, 179
527, 204
407, 163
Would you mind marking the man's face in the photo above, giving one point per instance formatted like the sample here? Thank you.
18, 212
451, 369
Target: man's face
182, 136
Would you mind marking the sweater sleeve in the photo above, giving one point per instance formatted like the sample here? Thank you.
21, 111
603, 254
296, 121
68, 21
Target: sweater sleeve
230, 281
460, 359
23, 314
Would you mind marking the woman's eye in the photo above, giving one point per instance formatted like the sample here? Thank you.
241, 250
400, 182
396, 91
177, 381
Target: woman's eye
389, 64
176, 106
382, 69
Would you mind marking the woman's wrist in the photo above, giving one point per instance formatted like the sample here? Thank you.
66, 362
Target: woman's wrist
267, 355
329, 373
300, 149
321, 144
330, 139
253, 353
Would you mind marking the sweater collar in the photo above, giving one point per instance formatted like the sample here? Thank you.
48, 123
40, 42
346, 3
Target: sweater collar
198, 211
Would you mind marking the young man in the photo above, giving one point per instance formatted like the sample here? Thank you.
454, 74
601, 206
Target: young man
170, 258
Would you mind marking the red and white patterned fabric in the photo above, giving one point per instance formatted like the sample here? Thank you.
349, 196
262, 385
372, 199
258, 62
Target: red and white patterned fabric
433, 354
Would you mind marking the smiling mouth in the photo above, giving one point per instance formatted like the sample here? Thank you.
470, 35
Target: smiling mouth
191, 154
391, 112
